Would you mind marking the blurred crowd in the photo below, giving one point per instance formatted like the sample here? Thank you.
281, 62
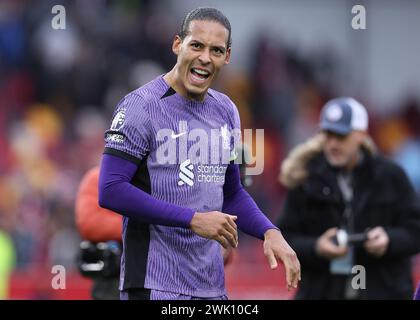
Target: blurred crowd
58, 89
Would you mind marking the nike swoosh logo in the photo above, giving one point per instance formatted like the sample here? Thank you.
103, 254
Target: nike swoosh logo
174, 136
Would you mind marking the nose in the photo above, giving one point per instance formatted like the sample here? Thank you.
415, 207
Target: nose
204, 57
332, 141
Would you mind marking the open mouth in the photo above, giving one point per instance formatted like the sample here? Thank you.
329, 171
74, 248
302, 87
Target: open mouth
199, 75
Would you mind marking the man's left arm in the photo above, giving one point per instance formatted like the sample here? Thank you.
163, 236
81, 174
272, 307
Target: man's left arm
253, 222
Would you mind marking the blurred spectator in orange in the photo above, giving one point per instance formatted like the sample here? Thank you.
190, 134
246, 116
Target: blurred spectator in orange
98, 225
94, 223
7, 261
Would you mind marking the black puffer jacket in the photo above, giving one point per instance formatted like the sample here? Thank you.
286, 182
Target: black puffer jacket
383, 197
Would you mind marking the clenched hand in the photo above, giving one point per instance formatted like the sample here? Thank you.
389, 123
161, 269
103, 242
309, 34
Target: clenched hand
326, 248
216, 225
378, 242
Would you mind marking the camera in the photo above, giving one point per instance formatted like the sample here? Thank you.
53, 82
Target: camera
99, 259
343, 238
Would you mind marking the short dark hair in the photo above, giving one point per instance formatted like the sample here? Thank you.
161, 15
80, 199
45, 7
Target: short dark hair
207, 14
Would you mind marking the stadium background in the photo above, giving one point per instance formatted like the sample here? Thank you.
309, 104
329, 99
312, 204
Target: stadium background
58, 89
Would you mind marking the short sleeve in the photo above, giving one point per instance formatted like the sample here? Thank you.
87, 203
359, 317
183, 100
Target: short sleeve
130, 130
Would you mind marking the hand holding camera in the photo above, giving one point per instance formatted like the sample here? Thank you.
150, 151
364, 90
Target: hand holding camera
343, 239
334, 242
327, 248
377, 242
100, 259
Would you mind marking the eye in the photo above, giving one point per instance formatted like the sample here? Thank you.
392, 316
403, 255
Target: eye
196, 45
218, 50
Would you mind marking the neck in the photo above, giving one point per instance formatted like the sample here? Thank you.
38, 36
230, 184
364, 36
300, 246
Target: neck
173, 79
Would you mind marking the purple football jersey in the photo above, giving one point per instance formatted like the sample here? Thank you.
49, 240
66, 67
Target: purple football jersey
182, 148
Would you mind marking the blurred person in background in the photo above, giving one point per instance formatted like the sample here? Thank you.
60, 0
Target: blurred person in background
8, 251
347, 205
7, 262
102, 230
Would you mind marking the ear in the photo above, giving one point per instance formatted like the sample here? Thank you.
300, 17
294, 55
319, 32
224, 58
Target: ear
227, 59
176, 45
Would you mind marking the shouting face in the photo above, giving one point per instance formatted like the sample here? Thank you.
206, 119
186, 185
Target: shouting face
201, 54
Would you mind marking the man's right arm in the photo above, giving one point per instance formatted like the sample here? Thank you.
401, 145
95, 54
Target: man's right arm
128, 141
119, 195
